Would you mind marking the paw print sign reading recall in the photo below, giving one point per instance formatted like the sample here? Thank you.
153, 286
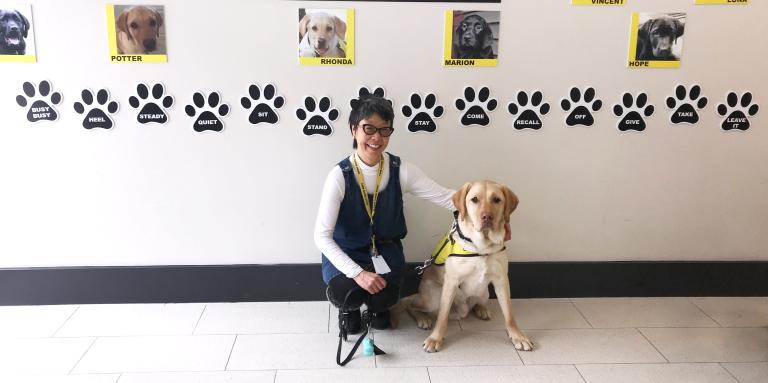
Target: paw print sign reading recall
737, 111
529, 117
632, 112
42, 108
151, 111
316, 116
422, 116
96, 116
267, 102
685, 105
476, 110
210, 117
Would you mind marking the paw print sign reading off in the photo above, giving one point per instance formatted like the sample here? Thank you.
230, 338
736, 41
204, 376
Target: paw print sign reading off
266, 104
210, 117
737, 111
316, 116
422, 116
476, 110
42, 108
529, 117
581, 109
685, 105
151, 111
632, 112
96, 116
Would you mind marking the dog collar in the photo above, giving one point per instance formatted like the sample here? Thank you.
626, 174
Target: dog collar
456, 227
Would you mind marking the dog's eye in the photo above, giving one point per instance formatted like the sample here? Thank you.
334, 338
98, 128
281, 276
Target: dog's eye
134, 25
474, 200
496, 200
152, 23
478, 28
328, 29
314, 28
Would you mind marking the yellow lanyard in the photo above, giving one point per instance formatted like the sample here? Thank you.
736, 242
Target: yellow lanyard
371, 210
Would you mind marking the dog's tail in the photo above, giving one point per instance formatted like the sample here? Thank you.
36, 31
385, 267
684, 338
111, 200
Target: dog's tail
397, 310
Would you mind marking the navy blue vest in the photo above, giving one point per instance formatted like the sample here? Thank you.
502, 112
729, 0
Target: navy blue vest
353, 227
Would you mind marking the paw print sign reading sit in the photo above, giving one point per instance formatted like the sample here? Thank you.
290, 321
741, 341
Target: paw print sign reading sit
40, 109
581, 109
476, 110
266, 104
96, 116
150, 110
632, 112
422, 116
529, 118
207, 119
316, 116
737, 111
685, 105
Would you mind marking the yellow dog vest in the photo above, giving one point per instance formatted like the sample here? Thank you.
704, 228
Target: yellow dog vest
446, 248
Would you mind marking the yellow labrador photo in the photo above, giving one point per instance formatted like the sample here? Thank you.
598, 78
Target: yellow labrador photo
138, 30
321, 35
476, 258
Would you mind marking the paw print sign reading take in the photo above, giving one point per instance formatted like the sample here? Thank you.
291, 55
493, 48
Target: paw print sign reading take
529, 117
42, 108
422, 116
685, 105
316, 116
476, 110
632, 112
96, 116
210, 118
581, 109
737, 111
267, 102
151, 110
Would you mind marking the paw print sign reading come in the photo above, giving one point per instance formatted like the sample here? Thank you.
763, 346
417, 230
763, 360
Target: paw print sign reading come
41, 109
476, 110
316, 116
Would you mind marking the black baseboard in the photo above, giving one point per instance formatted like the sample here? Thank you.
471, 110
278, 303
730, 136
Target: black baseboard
269, 283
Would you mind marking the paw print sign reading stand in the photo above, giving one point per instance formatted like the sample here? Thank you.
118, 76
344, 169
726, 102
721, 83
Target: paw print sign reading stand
633, 111
685, 105
98, 115
267, 102
476, 109
737, 111
527, 115
316, 116
580, 109
421, 117
207, 117
151, 109
42, 108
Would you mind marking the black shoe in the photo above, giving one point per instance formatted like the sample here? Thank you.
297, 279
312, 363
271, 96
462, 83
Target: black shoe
350, 321
380, 320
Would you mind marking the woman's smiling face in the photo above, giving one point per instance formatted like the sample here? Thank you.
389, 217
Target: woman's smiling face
370, 147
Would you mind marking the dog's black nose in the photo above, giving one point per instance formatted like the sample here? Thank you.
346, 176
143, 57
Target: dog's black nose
150, 44
486, 217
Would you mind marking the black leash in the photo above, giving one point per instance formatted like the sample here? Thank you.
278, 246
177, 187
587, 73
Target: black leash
366, 323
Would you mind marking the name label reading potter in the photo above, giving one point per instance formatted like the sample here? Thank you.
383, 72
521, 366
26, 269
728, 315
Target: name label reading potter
124, 58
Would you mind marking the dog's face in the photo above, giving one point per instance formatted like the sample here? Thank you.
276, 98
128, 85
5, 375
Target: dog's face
142, 25
14, 27
323, 31
662, 34
472, 32
485, 206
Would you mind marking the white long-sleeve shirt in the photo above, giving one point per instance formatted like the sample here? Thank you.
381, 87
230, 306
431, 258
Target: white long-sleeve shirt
412, 181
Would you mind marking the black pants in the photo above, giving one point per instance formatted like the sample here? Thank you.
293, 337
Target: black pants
340, 286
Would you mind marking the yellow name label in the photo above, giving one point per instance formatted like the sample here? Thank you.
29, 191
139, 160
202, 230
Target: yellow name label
18, 58
597, 2
726, 2
118, 58
348, 45
632, 62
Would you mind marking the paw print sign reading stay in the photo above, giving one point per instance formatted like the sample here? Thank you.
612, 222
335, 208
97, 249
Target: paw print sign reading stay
476, 109
316, 116
42, 107
422, 116
151, 110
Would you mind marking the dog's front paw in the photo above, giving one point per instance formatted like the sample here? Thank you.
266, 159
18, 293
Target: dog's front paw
482, 312
424, 322
521, 342
432, 345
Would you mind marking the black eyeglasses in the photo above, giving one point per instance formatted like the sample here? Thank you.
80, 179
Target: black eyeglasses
371, 130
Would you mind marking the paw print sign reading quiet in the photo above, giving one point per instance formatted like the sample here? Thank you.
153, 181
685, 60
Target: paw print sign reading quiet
207, 116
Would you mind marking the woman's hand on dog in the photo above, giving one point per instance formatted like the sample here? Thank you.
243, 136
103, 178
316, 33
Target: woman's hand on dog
370, 282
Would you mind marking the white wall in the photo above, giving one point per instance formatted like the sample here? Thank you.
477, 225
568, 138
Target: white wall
155, 195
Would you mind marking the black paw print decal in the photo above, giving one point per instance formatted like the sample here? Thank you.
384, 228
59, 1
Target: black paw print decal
688, 103
316, 116
40, 108
422, 116
581, 109
529, 118
736, 111
364, 92
151, 111
476, 109
208, 119
633, 111
96, 117
266, 104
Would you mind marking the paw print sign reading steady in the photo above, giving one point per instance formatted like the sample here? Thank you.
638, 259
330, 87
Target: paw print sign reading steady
316, 116
98, 115
581, 109
529, 117
42, 108
267, 102
208, 117
737, 111
476, 109
632, 112
151, 110
422, 116
685, 105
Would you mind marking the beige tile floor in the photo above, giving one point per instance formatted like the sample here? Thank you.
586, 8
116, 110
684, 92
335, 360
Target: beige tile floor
649, 340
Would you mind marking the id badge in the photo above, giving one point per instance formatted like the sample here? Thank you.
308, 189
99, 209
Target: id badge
379, 264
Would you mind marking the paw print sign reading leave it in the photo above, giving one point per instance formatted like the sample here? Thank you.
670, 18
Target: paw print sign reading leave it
737, 111
40, 108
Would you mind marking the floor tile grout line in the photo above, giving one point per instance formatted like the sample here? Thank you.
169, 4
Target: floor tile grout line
83, 356
65, 322
119, 376
652, 345
274, 377
429, 377
576, 367
728, 371
194, 330
704, 312
580, 313
226, 366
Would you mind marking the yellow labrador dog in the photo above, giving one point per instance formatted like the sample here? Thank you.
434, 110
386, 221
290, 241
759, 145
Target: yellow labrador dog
138, 29
461, 283
321, 35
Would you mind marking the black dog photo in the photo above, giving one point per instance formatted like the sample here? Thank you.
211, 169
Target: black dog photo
475, 34
15, 26
660, 36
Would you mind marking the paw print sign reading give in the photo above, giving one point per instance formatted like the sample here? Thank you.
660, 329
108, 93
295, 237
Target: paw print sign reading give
736, 111
96, 117
266, 104
40, 108
150, 110
316, 116
632, 112
422, 116
476, 110
207, 119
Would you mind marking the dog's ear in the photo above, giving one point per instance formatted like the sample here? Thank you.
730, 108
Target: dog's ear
460, 199
679, 28
341, 28
303, 25
159, 19
510, 202
487, 41
24, 24
122, 23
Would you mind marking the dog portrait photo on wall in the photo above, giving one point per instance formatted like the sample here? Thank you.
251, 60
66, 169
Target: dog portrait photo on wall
656, 40
326, 36
471, 38
136, 33
17, 41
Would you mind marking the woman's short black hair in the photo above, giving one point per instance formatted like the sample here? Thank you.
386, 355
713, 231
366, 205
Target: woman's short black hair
366, 106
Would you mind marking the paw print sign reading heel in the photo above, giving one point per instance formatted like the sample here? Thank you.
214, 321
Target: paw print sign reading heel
316, 116
632, 112
422, 116
476, 110
581, 109
685, 105
98, 115
41, 109
151, 110
737, 111
267, 102
207, 119
529, 118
